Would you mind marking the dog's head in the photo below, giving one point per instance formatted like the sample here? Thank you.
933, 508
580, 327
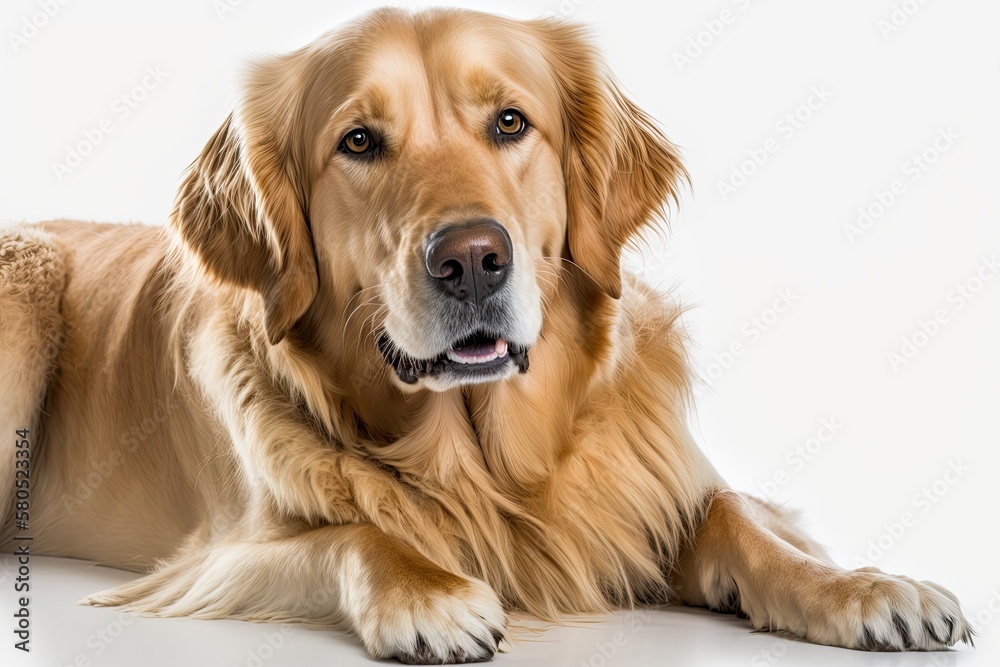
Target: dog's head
443, 168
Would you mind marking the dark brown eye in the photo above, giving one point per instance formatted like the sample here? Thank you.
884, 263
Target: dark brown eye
511, 123
358, 141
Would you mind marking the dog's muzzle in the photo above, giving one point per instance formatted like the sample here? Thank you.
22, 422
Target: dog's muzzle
468, 267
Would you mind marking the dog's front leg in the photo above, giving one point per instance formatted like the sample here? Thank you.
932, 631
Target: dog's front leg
737, 563
399, 603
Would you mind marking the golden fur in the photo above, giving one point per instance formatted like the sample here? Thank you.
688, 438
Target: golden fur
216, 412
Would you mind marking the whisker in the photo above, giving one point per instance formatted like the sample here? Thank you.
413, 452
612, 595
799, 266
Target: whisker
569, 261
347, 320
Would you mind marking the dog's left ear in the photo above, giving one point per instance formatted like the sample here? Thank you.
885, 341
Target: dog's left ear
620, 170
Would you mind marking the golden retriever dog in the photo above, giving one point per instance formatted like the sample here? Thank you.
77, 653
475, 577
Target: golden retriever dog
382, 368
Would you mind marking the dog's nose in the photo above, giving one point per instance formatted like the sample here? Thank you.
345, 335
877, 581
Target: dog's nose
470, 261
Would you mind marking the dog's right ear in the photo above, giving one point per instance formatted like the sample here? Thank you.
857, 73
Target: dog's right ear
239, 210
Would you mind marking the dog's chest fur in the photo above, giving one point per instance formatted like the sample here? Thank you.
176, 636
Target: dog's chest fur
561, 506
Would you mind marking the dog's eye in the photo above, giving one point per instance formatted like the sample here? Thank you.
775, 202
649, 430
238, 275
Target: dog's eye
511, 123
357, 142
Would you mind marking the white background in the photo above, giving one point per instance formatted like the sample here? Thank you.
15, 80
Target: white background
854, 299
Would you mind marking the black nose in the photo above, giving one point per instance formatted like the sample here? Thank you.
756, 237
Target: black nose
470, 261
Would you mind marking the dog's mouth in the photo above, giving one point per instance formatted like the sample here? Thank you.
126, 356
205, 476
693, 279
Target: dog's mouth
478, 357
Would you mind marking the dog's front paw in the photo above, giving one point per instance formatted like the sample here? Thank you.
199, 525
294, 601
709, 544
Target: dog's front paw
872, 611
432, 618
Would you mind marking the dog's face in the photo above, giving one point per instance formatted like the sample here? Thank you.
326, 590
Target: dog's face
445, 195
443, 167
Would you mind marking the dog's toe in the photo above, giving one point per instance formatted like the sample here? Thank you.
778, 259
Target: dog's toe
899, 614
460, 623
425, 654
